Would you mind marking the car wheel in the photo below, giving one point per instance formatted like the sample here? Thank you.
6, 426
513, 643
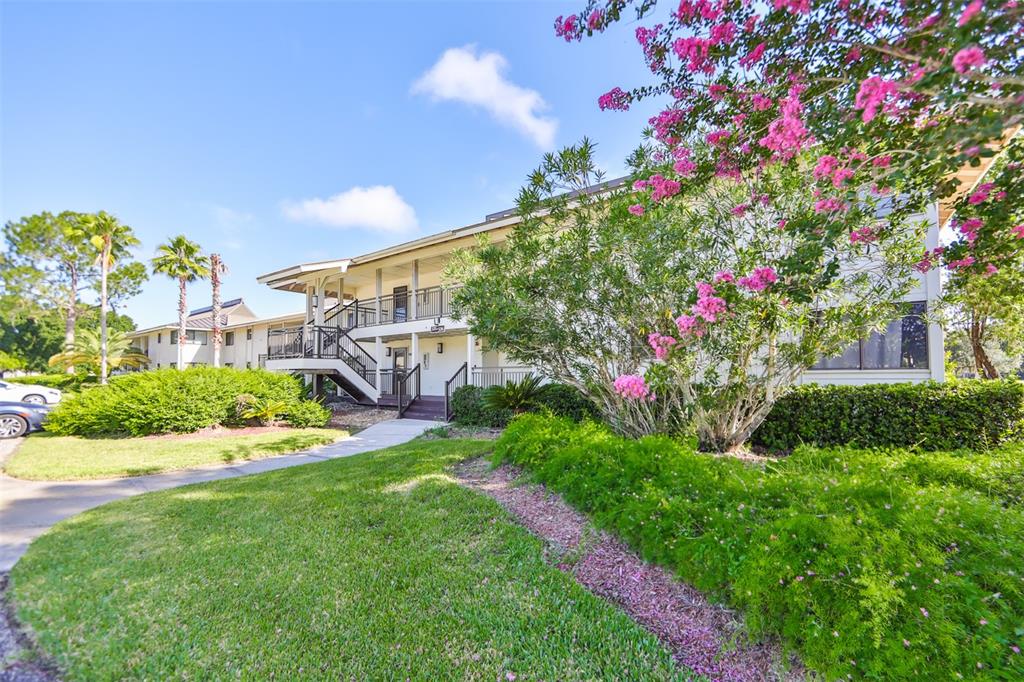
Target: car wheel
34, 398
12, 426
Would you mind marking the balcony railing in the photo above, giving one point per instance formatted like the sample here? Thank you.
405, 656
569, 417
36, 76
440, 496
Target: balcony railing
431, 302
311, 341
485, 377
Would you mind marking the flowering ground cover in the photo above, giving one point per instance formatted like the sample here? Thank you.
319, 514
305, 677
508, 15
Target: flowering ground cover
377, 566
885, 564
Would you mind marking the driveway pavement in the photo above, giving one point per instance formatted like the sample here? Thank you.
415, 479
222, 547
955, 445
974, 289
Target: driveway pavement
28, 508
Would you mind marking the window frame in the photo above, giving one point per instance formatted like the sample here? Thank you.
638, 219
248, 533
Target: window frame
863, 340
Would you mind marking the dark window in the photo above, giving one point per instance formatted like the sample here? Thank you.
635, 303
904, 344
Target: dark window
191, 336
159, 338
401, 296
248, 334
903, 344
229, 338
248, 365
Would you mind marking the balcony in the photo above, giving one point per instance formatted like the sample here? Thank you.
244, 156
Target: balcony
429, 303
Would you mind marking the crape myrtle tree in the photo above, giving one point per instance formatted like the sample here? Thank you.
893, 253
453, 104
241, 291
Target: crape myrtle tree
887, 99
702, 309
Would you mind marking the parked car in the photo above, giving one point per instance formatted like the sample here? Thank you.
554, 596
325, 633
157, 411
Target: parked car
28, 393
17, 419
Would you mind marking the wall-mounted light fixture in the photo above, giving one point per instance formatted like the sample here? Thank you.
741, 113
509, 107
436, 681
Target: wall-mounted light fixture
316, 300
440, 348
387, 352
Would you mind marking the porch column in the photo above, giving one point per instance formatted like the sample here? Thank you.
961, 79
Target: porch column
415, 351
469, 352
380, 289
378, 355
321, 294
414, 308
309, 304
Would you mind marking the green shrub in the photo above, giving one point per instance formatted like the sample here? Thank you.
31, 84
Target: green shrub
61, 382
886, 565
468, 409
168, 401
567, 401
307, 414
470, 406
513, 396
970, 414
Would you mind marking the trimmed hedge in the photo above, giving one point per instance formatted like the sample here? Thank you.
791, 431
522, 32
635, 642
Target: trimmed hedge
971, 414
168, 401
562, 400
892, 565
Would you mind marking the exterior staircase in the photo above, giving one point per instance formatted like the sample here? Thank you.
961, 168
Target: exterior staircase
429, 407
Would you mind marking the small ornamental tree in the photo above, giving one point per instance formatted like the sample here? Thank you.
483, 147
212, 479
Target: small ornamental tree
886, 97
732, 300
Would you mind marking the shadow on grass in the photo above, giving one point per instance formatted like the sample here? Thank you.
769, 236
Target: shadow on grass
284, 446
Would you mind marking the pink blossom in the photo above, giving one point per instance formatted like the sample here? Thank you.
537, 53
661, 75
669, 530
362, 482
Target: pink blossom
981, 193
567, 28
968, 58
722, 33
782, 223
753, 57
594, 20
969, 12
637, 209
969, 228
718, 91
614, 99
709, 307
872, 94
989, 271
787, 134
694, 52
689, 325
864, 235
759, 279
663, 187
740, 209
661, 344
840, 177
965, 262
704, 290
717, 136
882, 161
633, 387
664, 123
1018, 230
723, 276
853, 55
924, 612
639, 185
761, 102
829, 205
825, 166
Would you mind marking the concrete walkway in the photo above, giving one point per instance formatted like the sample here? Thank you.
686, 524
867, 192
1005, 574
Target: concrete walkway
28, 508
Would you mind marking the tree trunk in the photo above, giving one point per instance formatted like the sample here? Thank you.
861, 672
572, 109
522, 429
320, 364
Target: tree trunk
215, 267
982, 363
104, 267
182, 314
71, 318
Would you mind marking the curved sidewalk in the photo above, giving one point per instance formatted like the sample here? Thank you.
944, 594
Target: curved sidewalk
28, 508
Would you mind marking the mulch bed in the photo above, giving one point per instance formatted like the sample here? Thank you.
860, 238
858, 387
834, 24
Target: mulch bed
707, 638
220, 431
355, 418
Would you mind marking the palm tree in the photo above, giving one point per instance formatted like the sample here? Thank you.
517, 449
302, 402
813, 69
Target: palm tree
184, 261
112, 239
88, 351
217, 268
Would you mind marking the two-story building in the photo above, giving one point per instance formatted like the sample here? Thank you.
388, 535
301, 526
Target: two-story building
244, 337
380, 326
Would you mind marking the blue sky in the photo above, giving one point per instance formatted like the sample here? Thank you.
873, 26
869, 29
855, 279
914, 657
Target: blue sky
283, 133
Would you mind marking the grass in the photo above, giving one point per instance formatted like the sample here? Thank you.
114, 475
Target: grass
377, 566
48, 457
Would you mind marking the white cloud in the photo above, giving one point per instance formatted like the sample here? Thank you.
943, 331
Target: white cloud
463, 76
379, 207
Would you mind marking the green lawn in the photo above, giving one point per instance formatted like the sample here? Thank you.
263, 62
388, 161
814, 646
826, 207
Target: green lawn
374, 566
52, 458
